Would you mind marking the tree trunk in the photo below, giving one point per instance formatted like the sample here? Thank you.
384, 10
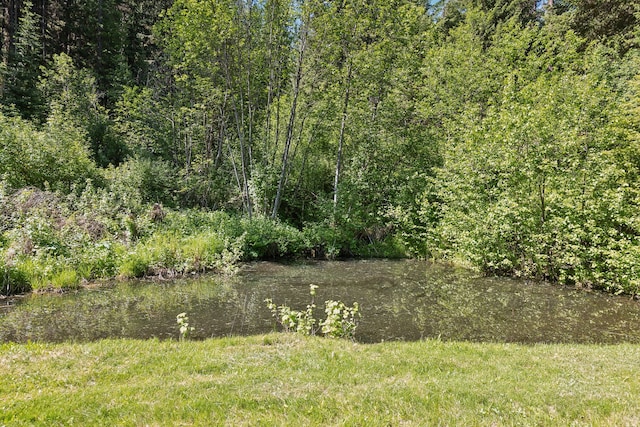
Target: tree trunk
290, 126
345, 109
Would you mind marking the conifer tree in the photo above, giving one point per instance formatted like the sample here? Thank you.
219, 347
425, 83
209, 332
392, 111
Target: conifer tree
22, 70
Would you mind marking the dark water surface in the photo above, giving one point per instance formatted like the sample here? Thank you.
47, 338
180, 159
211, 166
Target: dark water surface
399, 300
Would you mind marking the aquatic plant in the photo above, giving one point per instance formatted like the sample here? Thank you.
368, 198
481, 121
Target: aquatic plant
183, 324
341, 320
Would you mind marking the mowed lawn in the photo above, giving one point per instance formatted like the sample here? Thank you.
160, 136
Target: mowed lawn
285, 379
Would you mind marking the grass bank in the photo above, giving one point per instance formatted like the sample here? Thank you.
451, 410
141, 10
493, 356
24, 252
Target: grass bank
290, 380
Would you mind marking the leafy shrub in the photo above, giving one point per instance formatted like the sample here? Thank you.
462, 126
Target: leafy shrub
325, 241
269, 239
12, 281
166, 252
135, 264
341, 320
64, 279
98, 260
55, 157
140, 181
46, 272
183, 325
298, 321
202, 251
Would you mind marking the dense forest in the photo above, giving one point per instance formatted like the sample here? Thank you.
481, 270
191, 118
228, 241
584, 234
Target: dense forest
142, 137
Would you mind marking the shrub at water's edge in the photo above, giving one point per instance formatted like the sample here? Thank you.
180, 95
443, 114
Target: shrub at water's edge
12, 281
55, 241
51, 241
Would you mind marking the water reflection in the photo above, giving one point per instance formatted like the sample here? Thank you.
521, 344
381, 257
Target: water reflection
400, 300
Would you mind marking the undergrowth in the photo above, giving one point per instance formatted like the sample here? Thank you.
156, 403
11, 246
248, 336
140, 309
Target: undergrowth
52, 241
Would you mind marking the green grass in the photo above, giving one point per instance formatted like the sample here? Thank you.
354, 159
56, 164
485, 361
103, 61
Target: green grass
290, 380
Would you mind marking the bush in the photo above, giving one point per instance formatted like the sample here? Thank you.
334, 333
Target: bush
12, 281
166, 252
140, 181
135, 264
56, 157
98, 260
269, 239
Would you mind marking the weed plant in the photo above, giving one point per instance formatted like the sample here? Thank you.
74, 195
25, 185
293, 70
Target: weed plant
341, 320
183, 326
12, 281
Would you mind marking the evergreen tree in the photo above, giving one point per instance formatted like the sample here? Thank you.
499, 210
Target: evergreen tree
608, 21
21, 73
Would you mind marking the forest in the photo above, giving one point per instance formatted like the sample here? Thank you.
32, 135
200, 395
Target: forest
165, 137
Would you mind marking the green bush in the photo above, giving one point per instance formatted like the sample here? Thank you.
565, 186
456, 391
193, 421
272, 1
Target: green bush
12, 281
58, 240
134, 264
140, 181
64, 279
269, 239
98, 260
166, 252
324, 241
56, 157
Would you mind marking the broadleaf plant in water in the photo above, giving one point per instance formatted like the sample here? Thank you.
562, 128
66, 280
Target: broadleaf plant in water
341, 320
183, 324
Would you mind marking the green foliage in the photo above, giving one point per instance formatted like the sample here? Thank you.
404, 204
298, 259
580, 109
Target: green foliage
140, 181
65, 279
326, 241
21, 70
97, 40
12, 280
143, 124
98, 259
73, 96
183, 325
167, 253
612, 22
268, 239
46, 273
301, 322
526, 190
341, 320
501, 134
135, 264
55, 157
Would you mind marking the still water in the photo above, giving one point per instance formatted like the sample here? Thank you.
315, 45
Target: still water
399, 300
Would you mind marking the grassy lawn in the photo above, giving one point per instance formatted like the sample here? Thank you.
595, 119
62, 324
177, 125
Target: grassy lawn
284, 379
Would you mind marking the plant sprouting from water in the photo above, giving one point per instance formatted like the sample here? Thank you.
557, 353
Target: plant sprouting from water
341, 320
183, 324
301, 322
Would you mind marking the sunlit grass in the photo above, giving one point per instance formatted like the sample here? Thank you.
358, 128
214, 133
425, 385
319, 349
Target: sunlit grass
289, 380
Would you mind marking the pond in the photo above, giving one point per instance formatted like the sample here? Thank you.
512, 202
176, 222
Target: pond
399, 300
